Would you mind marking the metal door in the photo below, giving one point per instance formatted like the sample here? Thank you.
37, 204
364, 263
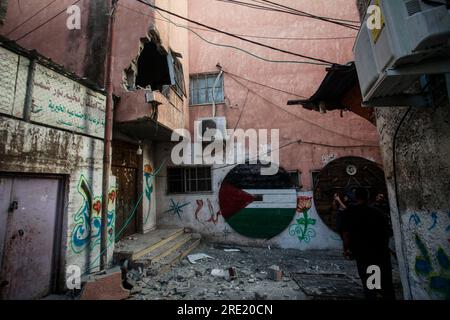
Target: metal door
29, 210
125, 168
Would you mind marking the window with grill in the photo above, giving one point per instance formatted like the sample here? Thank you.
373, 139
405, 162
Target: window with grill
315, 178
189, 179
201, 88
295, 178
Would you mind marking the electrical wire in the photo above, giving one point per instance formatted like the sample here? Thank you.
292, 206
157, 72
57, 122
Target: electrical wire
127, 222
264, 85
339, 22
322, 61
311, 15
357, 22
29, 18
45, 22
252, 36
297, 116
242, 111
237, 48
394, 166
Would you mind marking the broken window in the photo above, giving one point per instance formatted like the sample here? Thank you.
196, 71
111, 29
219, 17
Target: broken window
156, 69
152, 68
177, 74
189, 179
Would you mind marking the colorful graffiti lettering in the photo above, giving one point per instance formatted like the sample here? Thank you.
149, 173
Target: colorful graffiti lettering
213, 216
88, 218
148, 177
414, 218
176, 208
434, 217
302, 228
199, 208
439, 281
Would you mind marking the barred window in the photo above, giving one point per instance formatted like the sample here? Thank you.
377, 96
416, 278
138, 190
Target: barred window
189, 179
201, 88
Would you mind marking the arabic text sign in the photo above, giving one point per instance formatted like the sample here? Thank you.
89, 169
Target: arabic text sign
61, 102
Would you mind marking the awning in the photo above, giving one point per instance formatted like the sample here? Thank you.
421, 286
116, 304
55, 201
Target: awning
338, 91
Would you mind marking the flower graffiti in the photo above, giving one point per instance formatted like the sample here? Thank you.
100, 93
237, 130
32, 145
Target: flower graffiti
148, 177
87, 220
438, 280
302, 229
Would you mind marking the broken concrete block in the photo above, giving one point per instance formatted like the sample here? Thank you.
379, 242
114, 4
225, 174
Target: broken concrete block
260, 296
219, 273
275, 273
105, 287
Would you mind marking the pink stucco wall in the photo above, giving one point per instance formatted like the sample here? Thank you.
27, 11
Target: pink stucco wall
83, 51
302, 79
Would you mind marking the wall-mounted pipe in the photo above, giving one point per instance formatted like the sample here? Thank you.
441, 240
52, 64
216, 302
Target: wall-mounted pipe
107, 141
214, 91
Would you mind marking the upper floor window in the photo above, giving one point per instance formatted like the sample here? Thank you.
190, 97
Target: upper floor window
201, 88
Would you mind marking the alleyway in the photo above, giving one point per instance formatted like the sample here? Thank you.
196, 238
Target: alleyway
307, 275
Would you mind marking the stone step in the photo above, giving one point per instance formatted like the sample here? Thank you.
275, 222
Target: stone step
163, 251
139, 245
162, 266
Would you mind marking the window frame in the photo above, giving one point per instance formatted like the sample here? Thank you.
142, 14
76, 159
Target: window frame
299, 173
316, 171
187, 180
205, 75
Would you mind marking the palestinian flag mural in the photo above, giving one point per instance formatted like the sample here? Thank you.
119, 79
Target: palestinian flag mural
257, 206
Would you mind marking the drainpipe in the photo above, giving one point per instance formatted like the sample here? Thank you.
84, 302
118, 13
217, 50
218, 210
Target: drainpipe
214, 91
107, 141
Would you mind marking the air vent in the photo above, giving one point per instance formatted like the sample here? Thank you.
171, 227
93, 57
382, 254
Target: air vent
413, 7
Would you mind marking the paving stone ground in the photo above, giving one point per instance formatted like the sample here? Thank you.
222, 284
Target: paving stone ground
307, 275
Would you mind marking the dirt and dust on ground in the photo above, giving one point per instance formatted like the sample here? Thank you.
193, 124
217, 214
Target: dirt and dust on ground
247, 273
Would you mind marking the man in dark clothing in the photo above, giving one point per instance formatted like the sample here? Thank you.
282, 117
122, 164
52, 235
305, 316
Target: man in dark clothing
366, 239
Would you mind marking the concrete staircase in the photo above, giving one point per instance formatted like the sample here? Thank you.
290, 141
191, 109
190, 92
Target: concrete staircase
158, 250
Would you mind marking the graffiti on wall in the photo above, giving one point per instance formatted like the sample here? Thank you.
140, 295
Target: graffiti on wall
213, 216
433, 266
302, 229
148, 179
87, 220
257, 206
176, 208
438, 278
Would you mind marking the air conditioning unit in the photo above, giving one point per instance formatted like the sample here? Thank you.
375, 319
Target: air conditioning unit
205, 125
414, 40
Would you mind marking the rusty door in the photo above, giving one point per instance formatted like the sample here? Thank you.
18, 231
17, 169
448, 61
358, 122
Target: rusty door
29, 210
125, 167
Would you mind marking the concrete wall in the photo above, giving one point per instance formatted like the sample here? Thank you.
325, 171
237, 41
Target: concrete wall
259, 112
79, 51
201, 213
419, 189
47, 147
421, 219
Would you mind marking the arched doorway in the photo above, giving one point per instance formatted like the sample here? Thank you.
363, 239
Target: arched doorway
342, 176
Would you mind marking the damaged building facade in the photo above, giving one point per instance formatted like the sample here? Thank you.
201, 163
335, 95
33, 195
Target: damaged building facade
234, 204
415, 148
52, 129
53, 126
168, 74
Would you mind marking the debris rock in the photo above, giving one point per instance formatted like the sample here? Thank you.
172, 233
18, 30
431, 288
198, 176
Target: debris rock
275, 273
193, 258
